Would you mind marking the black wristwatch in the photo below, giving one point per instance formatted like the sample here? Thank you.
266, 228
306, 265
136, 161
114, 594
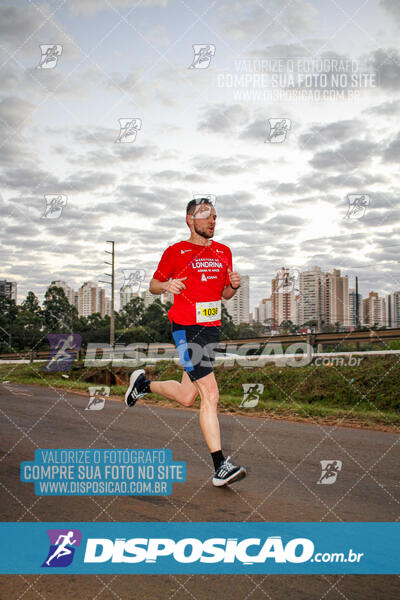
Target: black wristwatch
236, 288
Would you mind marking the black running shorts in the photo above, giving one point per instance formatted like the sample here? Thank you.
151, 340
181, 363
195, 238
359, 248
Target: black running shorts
196, 348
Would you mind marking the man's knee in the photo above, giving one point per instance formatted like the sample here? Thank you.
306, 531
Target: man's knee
210, 398
189, 400
188, 397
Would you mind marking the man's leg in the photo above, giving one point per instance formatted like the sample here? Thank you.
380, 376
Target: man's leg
225, 471
208, 389
185, 392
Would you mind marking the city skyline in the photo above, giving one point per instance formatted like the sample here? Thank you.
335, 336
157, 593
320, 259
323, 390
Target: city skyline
239, 305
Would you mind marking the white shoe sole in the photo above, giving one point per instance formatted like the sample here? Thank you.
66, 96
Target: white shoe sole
235, 477
132, 381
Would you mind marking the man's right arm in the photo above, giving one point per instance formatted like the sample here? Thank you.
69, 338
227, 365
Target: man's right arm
165, 270
174, 286
158, 287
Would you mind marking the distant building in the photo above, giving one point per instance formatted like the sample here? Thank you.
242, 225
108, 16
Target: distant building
148, 297
374, 310
91, 299
238, 306
263, 311
323, 297
393, 310
310, 284
283, 297
352, 307
108, 306
126, 294
335, 298
9, 289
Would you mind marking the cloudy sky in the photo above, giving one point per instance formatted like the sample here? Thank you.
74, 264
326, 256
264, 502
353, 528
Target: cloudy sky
203, 131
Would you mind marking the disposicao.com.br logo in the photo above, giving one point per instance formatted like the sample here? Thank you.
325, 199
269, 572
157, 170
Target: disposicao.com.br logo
247, 551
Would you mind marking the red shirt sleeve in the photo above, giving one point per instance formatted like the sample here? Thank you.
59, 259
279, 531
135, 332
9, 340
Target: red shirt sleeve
165, 267
229, 262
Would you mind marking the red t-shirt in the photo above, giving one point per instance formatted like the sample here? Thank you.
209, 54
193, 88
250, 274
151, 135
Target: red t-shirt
206, 269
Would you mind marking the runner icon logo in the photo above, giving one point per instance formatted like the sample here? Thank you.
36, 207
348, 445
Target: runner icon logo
251, 394
62, 547
97, 397
277, 130
203, 54
330, 470
358, 204
50, 54
63, 349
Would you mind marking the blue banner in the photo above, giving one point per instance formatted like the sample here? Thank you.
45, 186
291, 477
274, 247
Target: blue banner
173, 548
102, 472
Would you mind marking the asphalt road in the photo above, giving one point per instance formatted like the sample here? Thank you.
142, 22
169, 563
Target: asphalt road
283, 462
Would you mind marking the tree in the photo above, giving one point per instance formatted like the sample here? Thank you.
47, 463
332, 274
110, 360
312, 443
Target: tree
258, 328
228, 328
243, 331
96, 321
131, 314
59, 314
8, 315
29, 324
287, 326
156, 321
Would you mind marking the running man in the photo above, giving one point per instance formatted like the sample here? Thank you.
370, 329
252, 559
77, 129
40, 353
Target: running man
198, 272
62, 549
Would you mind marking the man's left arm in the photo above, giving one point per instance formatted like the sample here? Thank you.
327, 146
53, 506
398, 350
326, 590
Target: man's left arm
232, 280
234, 284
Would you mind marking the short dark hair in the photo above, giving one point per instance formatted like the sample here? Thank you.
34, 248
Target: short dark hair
190, 208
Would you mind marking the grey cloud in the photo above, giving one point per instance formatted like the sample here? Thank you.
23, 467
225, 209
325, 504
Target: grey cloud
30, 179
320, 181
287, 50
217, 165
241, 22
169, 175
393, 8
18, 24
284, 221
257, 130
350, 155
22, 30
392, 151
223, 118
111, 155
91, 7
14, 110
85, 181
386, 65
332, 133
386, 109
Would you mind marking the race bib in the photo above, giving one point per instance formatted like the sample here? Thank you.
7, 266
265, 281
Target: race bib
208, 311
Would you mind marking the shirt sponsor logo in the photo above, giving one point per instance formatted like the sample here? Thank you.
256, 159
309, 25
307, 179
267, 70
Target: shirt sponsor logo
183, 251
202, 264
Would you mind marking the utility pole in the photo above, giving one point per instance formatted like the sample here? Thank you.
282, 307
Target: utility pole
357, 314
111, 282
357, 307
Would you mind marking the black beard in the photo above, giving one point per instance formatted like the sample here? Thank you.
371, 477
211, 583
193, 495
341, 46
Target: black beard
203, 234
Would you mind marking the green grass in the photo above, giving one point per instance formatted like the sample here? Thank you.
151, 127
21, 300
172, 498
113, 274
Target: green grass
364, 395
